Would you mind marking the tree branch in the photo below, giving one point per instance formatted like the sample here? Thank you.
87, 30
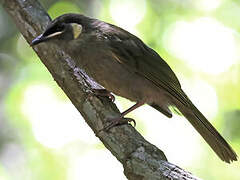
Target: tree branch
140, 159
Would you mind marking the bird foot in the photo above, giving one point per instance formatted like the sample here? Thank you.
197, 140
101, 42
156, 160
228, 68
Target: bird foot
103, 93
118, 121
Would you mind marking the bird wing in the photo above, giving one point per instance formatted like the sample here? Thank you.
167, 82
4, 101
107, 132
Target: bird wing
132, 53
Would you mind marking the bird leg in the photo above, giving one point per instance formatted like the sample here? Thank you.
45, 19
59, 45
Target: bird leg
121, 119
103, 93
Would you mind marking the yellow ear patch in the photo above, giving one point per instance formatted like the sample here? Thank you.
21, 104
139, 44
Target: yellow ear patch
77, 29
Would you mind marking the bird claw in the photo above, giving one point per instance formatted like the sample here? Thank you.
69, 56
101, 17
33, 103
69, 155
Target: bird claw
118, 121
103, 93
111, 97
130, 121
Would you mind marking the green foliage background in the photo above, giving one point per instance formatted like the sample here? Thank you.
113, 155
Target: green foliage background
43, 137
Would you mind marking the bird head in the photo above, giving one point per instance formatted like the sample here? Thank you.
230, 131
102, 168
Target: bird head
66, 27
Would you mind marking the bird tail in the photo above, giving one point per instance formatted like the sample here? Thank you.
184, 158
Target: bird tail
208, 132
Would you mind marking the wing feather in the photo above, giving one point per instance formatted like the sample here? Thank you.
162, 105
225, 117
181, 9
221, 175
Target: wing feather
137, 57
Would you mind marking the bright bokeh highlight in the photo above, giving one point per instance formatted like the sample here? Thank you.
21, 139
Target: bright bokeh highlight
205, 44
54, 122
203, 95
207, 5
127, 14
101, 161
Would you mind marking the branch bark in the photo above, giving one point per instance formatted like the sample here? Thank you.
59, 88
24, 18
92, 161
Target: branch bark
140, 159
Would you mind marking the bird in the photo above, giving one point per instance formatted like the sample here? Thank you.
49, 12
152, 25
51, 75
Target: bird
124, 65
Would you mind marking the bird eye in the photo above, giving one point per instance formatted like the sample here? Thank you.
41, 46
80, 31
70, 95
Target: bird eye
54, 29
59, 28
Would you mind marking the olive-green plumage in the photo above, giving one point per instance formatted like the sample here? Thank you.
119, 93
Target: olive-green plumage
124, 65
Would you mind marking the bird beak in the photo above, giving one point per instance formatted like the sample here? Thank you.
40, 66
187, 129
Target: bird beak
38, 40
41, 38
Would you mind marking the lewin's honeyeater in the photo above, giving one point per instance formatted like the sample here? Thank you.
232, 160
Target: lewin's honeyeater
124, 65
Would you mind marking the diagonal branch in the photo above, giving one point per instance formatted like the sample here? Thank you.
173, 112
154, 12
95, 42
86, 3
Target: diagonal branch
140, 159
